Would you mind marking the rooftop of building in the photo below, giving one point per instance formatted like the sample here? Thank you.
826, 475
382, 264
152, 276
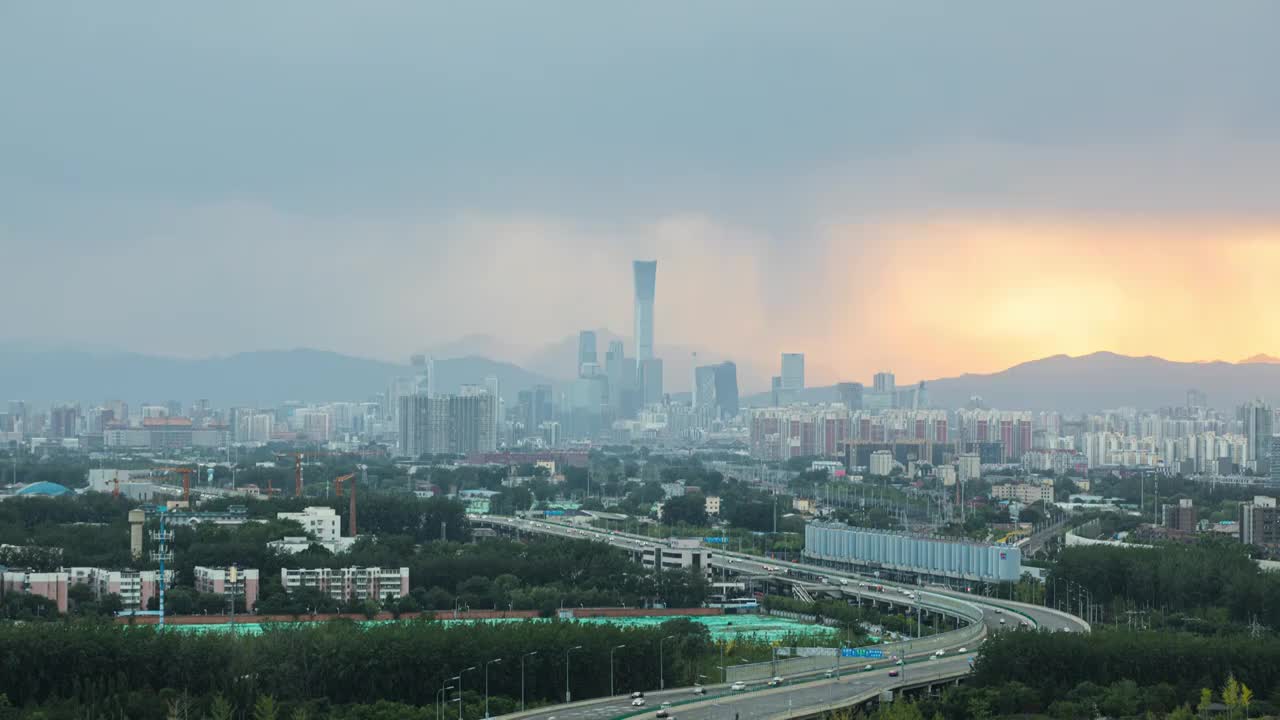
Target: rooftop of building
44, 487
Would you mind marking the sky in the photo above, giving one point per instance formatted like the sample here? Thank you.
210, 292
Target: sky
928, 187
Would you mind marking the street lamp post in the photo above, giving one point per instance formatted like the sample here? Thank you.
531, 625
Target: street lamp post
662, 677
522, 658
486, 684
440, 699
567, 696
611, 673
460, 674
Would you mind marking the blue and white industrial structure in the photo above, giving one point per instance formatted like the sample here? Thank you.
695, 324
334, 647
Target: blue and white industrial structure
910, 556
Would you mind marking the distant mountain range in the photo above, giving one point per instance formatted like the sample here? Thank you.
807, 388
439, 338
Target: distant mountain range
1070, 384
63, 375
1097, 381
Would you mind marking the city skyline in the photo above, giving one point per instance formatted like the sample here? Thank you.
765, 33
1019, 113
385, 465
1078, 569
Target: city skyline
1041, 196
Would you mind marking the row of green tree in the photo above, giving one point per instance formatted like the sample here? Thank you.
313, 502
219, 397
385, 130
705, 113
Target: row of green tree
1049, 667
1209, 580
103, 669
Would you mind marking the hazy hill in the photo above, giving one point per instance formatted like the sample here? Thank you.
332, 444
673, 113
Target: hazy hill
245, 378
1098, 381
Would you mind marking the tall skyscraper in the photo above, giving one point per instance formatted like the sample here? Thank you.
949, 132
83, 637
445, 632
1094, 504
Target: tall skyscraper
1255, 419
586, 350
621, 372
727, 389
651, 381
646, 273
716, 386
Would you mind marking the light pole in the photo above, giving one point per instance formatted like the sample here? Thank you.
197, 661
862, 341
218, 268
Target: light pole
522, 658
486, 684
460, 674
662, 678
611, 652
440, 698
567, 696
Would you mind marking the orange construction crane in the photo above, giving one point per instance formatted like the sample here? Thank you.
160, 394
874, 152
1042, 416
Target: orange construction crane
298, 457
185, 472
338, 482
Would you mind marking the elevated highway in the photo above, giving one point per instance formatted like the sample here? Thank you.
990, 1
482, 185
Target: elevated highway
808, 692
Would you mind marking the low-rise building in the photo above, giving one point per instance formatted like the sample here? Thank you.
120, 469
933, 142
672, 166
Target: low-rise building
711, 504
349, 584
292, 544
50, 585
233, 581
678, 554
323, 523
1025, 493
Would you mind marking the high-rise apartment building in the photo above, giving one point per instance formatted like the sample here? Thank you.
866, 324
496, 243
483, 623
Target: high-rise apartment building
1180, 517
1260, 521
455, 424
1256, 419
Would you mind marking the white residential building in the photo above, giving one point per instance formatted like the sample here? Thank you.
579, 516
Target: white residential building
322, 523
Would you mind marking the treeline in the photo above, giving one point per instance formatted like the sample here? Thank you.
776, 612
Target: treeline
109, 671
1211, 580
1163, 670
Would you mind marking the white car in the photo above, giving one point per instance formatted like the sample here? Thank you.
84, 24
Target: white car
939, 653
738, 686
637, 702
865, 668
963, 650
775, 682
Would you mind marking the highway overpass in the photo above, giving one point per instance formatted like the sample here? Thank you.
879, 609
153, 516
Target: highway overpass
808, 692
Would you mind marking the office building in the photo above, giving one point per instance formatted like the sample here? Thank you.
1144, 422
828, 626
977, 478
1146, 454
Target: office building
63, 421
424, 375
716, 387
884, 382
910, 557
622, 374
350, 584
792, 377
850, 395
586, 350
233, 582
646, 273
1260, 521
651, 381
1256, 420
